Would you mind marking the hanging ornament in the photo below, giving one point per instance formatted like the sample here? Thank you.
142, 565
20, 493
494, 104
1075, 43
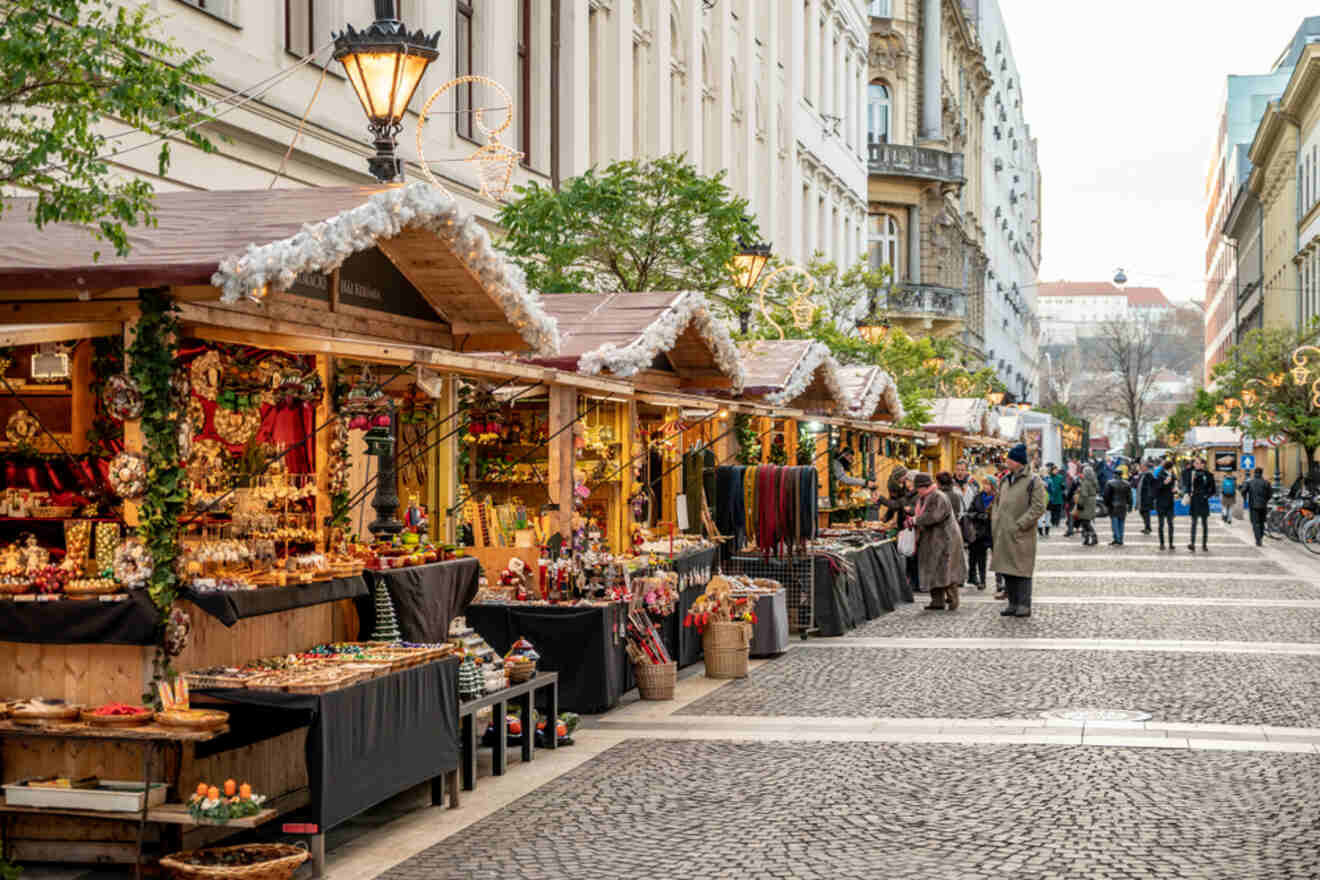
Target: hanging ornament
128, 475
180, 387
801, 308
237, 427
22, 428
196, 415
177, 629
133, 566
184, 436
495, 161
122, 399
205, 373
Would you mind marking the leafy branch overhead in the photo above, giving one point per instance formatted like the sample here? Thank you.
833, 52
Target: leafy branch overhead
73, 73
634, 225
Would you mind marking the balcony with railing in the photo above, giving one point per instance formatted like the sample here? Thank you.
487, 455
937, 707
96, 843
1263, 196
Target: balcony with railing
924, 301
900, 160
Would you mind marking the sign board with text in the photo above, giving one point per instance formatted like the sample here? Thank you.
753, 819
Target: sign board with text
368, 280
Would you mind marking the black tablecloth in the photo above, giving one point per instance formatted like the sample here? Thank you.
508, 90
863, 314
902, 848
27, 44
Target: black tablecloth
426, 598
229, 607
695, 566
80, 621
894, 566
371, 741
577, 641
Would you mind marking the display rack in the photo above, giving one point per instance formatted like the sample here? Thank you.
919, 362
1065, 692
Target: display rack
796, 573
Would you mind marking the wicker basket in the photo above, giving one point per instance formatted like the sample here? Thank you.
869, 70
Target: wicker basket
726, 646
655, 681
520, 670
86, 588
282, 860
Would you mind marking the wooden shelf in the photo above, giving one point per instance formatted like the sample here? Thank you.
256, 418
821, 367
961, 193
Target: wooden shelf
82, 730
165, 814
36, 391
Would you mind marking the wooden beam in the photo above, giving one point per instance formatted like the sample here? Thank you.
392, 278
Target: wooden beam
35, 334
563, 409
82, 402
41, 312
133, 427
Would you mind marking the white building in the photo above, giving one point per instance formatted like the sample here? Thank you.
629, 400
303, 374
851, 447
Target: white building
771, 92
1071, 308
1011, 214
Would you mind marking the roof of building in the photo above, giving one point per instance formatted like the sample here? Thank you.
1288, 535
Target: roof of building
872, 392
795, 372
624, 333
244, 243
969, 414
1137, 297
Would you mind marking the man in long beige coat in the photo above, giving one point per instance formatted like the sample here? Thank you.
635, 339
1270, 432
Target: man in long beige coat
1021, 502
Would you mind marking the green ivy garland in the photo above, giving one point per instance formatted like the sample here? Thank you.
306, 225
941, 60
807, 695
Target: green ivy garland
749, 443
152, 353
806, 451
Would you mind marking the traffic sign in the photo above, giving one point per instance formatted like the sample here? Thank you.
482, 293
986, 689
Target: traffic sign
1248, 462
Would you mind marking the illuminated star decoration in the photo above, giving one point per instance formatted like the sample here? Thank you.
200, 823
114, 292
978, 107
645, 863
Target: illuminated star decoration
801, 308
495, 161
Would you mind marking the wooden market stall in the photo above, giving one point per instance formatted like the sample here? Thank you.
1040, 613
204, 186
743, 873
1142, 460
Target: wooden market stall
271, 296
962, 423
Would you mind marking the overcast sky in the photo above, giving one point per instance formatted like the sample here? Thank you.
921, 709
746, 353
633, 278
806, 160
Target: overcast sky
1122, 97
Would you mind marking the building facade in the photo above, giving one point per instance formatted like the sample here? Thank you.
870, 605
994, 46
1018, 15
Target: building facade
1244, 103
1012, 212
1072, 309
925, 105
771, 93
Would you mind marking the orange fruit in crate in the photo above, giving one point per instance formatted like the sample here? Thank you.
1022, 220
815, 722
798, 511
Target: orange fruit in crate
213, 793
245, 791
230, 787
201, 789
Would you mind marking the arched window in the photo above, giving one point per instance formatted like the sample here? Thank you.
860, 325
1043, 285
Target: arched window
877, 114
881, 8
885, 242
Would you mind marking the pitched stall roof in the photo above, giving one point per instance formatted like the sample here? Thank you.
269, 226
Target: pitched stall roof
623, 334
798, 373
245, 242
970, 415
873, 394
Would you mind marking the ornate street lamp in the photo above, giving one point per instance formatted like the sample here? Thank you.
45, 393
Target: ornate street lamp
995, 398
385, 63
874, 330
746, 268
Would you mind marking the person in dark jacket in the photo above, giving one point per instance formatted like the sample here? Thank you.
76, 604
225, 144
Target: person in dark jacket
1165, 484
979, 515
1199, 485
1054, 484
1117, 496
1256, 496
1228, 488
900, 506
1146, 495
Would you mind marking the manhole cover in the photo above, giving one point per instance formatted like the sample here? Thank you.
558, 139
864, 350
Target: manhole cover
1096, 715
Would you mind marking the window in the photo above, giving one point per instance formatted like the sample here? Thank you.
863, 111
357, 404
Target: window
522, 89
885, 243
463, 67
881, 8
877, 114
307, 26
226, 10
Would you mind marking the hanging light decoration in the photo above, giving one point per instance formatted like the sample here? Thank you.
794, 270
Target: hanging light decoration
495, 160
801, 308
384, 64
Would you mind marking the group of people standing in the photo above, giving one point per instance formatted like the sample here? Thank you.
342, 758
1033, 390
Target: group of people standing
958, 521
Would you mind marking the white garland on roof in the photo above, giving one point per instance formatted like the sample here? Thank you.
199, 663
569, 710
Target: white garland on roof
323, 247
881, 385
661, 336
817, 356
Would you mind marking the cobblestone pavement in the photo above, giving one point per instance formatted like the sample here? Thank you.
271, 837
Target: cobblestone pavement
648, 809
1238, 587
1096, 559
1068, 621
1280, 690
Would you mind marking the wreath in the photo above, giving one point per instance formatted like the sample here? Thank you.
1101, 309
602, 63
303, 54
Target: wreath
197, 415
128, 475
22, 428
121, 398
237, 427
133, 564
205, 372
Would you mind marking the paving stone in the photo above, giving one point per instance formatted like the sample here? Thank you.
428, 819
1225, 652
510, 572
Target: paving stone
1099, 560
1241, 586
1200, 687
808, 810
1079, 621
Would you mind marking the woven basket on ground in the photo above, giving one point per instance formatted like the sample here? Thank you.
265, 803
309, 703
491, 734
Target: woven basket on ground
726, 646
655, 681
520, 670
279, 862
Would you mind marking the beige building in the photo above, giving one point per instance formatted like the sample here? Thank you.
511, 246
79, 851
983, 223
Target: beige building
770, 92
1273, 182
926, 98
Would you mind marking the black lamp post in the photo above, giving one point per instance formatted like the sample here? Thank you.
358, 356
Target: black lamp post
746, 268
385, 64
380, 443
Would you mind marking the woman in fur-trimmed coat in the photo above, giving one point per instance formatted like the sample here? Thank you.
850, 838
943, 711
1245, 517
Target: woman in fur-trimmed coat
941, 559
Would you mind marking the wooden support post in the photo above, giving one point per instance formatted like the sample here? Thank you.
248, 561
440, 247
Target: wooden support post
625, 428
563, 409
133, 427
791, 440
764, 427
82, 403
325, 368
443, 478
726, 447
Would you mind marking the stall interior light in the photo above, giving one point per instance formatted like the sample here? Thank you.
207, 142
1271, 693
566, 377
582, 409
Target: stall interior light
816, 427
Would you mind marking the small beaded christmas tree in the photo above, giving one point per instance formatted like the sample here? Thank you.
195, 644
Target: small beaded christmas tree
387, 625
469, 679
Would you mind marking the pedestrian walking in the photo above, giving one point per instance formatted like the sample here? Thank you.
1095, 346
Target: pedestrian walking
1117, 497
941, 561
1021, 501
1070, 497
1164, 486
1199, 487
1228, 497
1146, 494
1054, 484
1256, 496
965, 484
900, 505
978, 515
1087, 493
944, 482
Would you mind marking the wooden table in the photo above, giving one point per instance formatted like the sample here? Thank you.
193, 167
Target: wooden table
152, 737
523, 695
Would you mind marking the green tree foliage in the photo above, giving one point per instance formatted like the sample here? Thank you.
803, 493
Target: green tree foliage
634, 225
1284, 406
1186, 416
73, 72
